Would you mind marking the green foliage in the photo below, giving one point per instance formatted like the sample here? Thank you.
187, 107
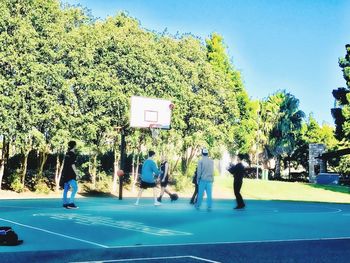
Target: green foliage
216, 173
41, 186
342, 114
286, 123
344, 165
16, 184
182, 182
103, 184
64, 75
238, 115
312, 132
281, 123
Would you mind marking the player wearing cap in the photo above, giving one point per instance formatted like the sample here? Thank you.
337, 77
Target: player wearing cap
205, 178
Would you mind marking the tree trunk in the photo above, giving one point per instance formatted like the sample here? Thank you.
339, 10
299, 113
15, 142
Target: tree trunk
24, 167
6, 156
136, 173
133, 168
173, 168
115, 176
115, 165
58, 172
2, 161
278, 167
183, 164
192, 154
289, 168
187, 158
1, 170
43, 158
94, 170
122, 162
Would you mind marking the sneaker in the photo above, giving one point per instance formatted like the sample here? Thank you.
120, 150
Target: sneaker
65, 205
157, 203
159, 199
239, 207
71, 206
136, 203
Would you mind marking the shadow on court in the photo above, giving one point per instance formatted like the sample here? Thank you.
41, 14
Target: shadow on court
112, 230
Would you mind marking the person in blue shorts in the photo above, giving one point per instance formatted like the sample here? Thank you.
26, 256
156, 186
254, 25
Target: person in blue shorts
148, 173
205, 178
69, 176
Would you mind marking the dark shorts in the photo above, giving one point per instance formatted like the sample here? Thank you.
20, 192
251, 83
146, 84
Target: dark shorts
165, 183
145, 185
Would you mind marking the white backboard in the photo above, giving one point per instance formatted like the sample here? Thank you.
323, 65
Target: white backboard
150, 111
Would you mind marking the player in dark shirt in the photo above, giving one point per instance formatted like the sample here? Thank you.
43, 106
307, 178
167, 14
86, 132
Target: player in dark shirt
238, 172
164, 180
69, 176
195, 193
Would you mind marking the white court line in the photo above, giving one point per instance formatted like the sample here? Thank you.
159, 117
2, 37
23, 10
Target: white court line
54, 233
143, 259
29, 207
206, 260
86, 219
237, 242
337, 210
169, 206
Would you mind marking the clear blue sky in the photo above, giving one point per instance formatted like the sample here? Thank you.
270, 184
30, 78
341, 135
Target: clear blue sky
276, 44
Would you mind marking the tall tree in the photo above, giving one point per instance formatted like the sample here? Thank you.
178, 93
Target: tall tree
341, 114
239, 115
287, 122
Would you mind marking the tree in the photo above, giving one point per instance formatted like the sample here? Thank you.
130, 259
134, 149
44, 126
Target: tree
33, 40
312, 132
341, 114
239, 117
286, 119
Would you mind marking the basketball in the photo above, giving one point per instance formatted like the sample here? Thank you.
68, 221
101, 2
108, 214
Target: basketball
120, 173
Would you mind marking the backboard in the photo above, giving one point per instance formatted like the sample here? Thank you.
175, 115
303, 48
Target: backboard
146, 112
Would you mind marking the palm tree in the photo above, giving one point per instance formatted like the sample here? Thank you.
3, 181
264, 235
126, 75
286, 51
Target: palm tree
269, 115
285, 118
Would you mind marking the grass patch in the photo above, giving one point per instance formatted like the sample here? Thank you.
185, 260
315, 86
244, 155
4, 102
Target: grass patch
276, 190
333, 188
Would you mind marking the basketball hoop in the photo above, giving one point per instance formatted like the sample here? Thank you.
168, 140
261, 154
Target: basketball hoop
155, 130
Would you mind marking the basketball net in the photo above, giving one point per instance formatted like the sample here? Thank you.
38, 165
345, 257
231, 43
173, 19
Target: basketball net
155, 130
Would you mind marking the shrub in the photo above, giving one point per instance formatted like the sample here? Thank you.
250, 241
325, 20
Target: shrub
16, 184
41, 186
103, 184
216, 172
182, 181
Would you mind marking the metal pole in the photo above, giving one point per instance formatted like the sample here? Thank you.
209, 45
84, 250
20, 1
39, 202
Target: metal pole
122, 163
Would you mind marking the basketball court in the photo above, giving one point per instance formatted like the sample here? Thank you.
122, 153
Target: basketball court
112, 230
107, 229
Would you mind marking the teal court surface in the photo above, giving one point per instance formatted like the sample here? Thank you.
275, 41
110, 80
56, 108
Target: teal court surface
111, 230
